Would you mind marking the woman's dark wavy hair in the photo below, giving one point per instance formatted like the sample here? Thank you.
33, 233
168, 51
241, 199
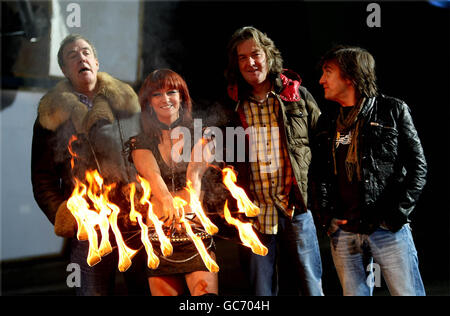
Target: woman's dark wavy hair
273, 55
157, 80
357, 65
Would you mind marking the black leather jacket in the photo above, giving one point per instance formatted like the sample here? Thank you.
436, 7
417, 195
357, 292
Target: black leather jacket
393, 166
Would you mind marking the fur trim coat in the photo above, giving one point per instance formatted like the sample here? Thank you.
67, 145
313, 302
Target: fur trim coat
62, 104
101, 132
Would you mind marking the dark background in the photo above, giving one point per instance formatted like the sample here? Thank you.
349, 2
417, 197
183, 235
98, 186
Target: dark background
411, 49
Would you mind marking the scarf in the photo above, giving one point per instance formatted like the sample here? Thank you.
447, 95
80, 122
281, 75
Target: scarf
351, 123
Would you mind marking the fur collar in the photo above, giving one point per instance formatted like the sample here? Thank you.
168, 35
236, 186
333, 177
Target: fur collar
61, 104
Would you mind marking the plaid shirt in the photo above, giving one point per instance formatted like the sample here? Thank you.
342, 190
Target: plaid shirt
271, 174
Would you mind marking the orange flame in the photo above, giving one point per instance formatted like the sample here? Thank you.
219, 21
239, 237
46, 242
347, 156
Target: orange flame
152, 259
166, 246
244, 204
246, 233
179, 203
196, 207
106, 215
86, 220
209, 262
95, 185
72, 153
125, 253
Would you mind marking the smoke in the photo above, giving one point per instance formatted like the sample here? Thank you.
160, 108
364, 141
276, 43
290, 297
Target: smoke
160, 49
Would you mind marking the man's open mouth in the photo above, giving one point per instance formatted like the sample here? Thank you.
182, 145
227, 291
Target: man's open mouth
84, 69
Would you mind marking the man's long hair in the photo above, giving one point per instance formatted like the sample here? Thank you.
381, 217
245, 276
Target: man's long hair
273, 55
161, 79
355, 64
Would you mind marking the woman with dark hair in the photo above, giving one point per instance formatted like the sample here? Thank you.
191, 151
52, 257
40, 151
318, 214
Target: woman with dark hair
166, 112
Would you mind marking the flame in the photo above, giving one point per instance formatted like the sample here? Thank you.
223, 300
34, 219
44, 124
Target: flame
166, 246
72, 153
99, 200
244, 204
104, 215
86, 220
152, 259
210, 264
196, 207
246, 233
179, 203
125, 253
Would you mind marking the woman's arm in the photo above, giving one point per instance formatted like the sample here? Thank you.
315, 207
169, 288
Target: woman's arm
148, 168
196, 169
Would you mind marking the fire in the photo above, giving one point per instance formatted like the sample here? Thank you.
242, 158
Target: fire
246, 233
179, 203
72, 153
196, 207
104, 215
244, 204
152, 259
210, 264
95, 184
125, 253
95, 214
86, 220
166, 246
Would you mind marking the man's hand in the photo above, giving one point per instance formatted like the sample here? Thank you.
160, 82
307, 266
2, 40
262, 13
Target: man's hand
334, 225
65, 223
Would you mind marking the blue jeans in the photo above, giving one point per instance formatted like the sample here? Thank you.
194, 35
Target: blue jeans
299, 268
394, 254
99, 280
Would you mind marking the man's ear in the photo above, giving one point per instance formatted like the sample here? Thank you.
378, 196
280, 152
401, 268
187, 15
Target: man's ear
63, 69
349, 82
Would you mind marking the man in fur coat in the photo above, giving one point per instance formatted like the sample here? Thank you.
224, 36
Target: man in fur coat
102, 112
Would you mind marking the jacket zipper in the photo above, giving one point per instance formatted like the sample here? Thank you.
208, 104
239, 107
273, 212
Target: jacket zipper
380, 125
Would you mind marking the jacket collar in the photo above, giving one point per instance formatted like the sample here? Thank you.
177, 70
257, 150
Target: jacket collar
286, 86
61, 104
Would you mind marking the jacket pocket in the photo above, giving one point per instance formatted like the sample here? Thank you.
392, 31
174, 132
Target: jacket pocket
384, 141
297, 124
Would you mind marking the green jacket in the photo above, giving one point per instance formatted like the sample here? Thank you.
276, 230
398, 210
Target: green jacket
298, 117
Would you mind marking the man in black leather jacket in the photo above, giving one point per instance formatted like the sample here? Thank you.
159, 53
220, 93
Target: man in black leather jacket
102, 112
369, 170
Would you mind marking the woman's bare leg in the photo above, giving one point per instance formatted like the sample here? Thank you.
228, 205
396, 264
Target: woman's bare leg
166, 285
203, 282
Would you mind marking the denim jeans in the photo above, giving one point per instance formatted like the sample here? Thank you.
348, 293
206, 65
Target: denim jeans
394, 253
299, 268
100, 279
